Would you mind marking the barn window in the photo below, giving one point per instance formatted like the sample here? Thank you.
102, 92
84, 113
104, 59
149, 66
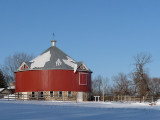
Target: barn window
83, 77
69, 93
41, 95
33, 94
60, 94
51, 93
24, 66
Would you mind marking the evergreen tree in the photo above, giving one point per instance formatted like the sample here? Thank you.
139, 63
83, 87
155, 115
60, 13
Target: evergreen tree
3, 83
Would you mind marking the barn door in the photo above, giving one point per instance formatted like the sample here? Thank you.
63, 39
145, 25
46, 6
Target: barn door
80, 97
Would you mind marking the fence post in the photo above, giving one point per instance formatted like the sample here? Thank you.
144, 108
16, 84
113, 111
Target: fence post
23, 96
143, 98
103, 92
130, 98
63, 95
8, 96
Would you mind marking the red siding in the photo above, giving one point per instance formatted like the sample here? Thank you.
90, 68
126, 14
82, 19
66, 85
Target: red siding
51, 80
22, 68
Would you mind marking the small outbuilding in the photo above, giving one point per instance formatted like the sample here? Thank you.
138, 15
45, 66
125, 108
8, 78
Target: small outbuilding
53, 75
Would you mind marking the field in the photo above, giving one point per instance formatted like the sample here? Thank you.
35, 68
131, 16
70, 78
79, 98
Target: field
44, 110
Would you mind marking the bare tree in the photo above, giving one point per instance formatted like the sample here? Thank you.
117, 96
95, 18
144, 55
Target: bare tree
12, 63
140, 75
106, 86
154, 86
121, 85
97, 85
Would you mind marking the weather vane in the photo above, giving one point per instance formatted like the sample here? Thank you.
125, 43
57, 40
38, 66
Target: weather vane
53, 35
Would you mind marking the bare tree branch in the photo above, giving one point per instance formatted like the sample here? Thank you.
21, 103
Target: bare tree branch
140, 75
12, 63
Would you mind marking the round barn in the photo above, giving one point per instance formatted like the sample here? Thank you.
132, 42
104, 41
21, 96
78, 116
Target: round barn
53, 75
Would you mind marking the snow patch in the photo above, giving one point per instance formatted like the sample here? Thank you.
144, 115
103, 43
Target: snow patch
11, 87
1, 89
58, 62
158, 102
70, 62
49, 110
41, 60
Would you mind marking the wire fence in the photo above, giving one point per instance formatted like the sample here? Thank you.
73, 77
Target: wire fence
131, 98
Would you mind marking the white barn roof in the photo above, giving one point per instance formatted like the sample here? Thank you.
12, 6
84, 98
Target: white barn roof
54, 58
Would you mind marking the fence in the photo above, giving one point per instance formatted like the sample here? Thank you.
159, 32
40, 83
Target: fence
130, 98
37, 97
119, 98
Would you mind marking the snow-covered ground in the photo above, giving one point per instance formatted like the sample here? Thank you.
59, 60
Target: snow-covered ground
44, 110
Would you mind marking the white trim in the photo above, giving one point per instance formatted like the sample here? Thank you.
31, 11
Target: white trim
80, 78
84, 66
23, 65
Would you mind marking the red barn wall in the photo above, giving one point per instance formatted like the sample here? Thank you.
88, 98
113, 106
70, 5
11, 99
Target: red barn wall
51, 80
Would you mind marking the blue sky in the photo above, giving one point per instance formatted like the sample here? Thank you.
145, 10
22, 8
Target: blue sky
104, 34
